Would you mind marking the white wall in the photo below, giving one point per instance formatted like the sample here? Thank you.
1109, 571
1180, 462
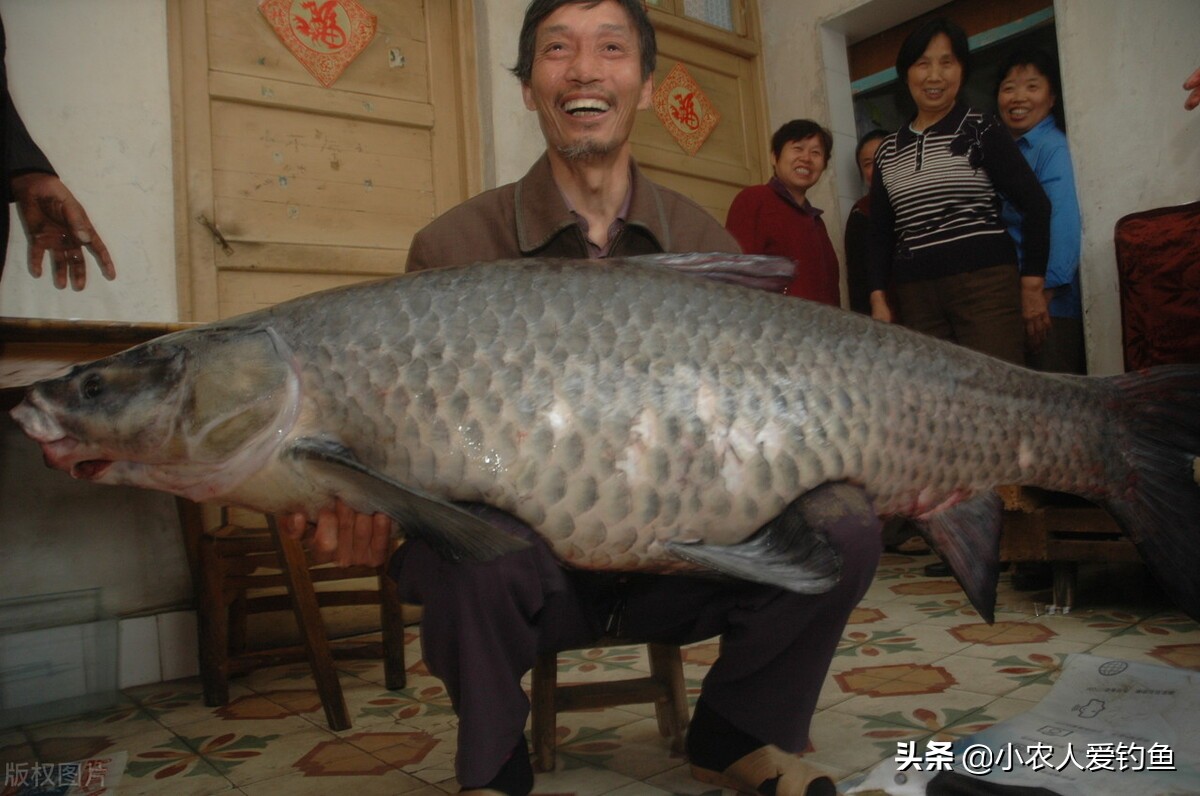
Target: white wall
90, 80
1123, 63
1133, 145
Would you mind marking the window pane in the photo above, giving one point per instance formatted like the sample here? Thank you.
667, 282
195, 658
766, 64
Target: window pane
715, 12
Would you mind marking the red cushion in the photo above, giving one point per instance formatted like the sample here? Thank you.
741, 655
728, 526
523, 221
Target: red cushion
1158, 263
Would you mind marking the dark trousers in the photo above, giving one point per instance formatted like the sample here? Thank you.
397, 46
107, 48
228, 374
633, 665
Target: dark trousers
977, 309
483, 624
1063, 350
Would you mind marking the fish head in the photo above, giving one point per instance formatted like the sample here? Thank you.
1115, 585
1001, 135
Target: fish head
192, 413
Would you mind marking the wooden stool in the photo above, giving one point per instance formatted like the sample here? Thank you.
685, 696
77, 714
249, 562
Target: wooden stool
664, 687
233, 560
1062, 530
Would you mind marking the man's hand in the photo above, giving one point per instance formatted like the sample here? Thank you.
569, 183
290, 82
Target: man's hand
56, 222
1035, 310
342, 535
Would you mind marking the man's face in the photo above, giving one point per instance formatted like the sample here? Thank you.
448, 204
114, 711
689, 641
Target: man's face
586, 83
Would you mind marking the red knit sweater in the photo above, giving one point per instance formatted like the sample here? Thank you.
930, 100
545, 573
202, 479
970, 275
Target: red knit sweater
765, 219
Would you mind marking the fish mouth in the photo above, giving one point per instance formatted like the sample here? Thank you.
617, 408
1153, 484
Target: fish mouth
90, 470
64, 454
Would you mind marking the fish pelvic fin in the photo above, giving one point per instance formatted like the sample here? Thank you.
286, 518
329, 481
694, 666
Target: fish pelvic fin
1159, 507
791, 551
454, 533
967, 537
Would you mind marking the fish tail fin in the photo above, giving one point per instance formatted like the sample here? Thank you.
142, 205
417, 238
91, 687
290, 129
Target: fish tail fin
1159, 505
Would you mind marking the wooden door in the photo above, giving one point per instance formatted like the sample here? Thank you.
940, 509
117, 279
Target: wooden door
726, 64
291, 187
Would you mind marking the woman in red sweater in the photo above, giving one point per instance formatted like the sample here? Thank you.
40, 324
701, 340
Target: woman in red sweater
777, 218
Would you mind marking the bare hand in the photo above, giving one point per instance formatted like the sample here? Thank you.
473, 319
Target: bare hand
342, 535
880, 310
1192, 84
56, 222
1035, 311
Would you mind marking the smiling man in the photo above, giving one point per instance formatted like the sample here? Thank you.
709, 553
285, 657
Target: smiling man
586, 68
777, 218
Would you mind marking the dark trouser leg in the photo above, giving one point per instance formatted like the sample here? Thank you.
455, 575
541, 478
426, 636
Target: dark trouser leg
1063, 351
776, 646
482, 627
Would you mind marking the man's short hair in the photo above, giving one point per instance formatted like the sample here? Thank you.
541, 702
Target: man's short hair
538, 10
798, 130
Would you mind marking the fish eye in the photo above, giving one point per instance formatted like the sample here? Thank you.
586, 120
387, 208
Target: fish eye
92, 387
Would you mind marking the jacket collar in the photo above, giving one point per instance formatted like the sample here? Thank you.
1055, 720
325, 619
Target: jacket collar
947, 125
1039, 131
542, 213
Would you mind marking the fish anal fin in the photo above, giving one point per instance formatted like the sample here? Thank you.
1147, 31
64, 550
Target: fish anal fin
967, 537
456, 534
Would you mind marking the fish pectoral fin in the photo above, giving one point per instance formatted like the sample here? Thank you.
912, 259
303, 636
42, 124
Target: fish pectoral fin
789, 552
456, 534
967, 537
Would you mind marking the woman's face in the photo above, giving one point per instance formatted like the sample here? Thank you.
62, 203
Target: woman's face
935, 78
1024, 99
866, 160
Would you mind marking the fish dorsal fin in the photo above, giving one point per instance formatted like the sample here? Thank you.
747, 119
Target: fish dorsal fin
967, 537
789, 552
763, 272
454, 533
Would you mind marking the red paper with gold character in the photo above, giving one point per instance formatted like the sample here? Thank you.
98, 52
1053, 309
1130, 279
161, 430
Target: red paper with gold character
324, 35
684, 109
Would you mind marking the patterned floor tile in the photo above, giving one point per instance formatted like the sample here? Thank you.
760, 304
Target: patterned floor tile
247, 752
383, 783
920, 713
186, 778
1000, 676
844, 743
916, 662
636, 750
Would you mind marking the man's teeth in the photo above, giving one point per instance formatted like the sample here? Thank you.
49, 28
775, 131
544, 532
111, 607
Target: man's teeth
585, 106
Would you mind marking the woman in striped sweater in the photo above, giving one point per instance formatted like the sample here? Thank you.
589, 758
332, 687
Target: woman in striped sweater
936, 233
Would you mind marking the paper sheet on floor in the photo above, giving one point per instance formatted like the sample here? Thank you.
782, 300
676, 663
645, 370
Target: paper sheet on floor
1107, 728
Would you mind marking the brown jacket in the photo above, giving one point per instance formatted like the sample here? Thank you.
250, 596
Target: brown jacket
529, 218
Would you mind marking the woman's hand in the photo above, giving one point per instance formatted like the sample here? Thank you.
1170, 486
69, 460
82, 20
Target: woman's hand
1035, 310
880, 310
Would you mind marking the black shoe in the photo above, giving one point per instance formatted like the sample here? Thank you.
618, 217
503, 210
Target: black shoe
515, 777
937, 569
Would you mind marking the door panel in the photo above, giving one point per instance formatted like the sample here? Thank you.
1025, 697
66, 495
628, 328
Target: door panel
726, 66
312, 187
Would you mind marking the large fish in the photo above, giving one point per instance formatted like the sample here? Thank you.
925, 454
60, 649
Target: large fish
638, 418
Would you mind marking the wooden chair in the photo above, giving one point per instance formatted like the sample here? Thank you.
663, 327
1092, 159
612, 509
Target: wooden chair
664, 687
234, 562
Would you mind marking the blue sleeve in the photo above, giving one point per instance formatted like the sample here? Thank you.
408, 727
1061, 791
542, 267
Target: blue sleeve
1058, 181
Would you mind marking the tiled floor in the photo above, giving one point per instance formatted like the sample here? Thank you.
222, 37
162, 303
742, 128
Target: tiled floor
915, 663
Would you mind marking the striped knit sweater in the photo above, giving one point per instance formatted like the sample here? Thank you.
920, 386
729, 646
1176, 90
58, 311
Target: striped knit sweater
934, 204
